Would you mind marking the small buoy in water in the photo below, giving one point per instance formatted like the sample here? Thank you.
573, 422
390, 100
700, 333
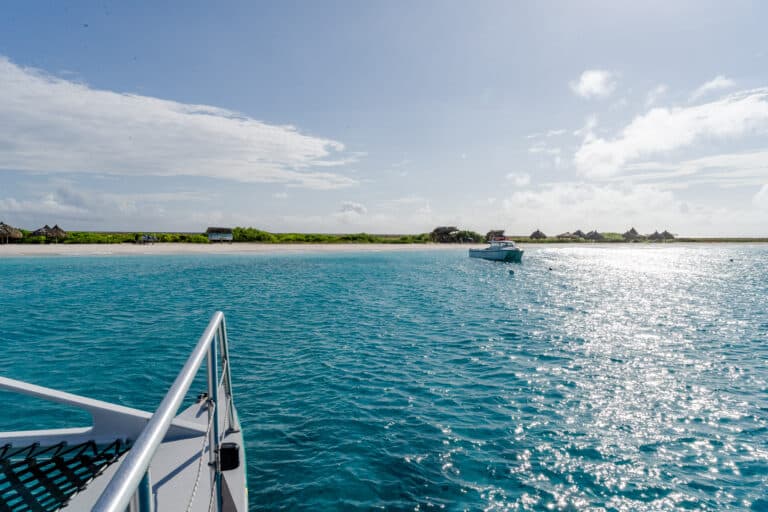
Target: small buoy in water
550, 268
730, 259
511, 272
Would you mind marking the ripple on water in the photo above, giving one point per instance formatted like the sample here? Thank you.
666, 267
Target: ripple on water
624, 379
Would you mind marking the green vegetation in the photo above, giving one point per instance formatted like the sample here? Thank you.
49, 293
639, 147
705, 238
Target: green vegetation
453, 235
241, 234
445, 234
89, 237
96, 237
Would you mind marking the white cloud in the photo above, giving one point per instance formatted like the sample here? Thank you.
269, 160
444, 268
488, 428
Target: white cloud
724, 170
654, 94
570, 206
353, 208
519, 179
662, 130
51, 125
589, 126
718, 83
548, 133
594, 83
403, 201
761, 198
47, 204
559, 207
66, 203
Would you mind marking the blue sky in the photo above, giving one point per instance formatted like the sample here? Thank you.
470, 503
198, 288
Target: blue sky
385, 117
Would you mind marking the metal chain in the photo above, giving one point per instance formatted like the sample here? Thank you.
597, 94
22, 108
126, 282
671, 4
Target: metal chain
212, 406
210, 502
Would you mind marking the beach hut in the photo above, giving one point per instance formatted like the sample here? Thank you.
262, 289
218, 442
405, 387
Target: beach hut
631, 235
538, 235
495, 234
57, 233
594, 236
444, 234
667, 235
656, 236
9, 233
44, 231
220, 234
579, 234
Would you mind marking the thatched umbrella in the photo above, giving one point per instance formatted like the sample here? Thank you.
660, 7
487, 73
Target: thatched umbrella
43, 231
632, 234
579, 233
8, 233
667, 235
57, 233
594, 236
538, 235
656, 236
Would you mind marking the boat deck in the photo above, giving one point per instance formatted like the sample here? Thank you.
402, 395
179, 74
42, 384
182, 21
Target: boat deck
128, 458
174, 471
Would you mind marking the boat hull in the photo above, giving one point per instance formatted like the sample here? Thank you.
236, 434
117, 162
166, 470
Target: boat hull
510, 255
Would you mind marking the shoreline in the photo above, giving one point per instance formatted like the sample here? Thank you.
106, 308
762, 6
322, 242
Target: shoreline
21, 250
28, 250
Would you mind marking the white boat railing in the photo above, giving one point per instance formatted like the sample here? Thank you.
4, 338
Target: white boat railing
131, 484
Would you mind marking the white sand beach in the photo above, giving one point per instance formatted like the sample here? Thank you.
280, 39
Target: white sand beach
16, 250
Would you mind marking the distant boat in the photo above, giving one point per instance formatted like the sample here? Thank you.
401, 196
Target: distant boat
499, 250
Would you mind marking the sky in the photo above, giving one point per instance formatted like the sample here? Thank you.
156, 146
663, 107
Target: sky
385, 116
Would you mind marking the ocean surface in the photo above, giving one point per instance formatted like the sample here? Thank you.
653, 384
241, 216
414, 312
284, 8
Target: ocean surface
593, 378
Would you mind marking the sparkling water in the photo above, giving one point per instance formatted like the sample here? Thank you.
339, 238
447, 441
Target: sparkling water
602, 378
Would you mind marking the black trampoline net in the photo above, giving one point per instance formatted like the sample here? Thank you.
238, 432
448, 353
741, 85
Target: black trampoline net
44, 478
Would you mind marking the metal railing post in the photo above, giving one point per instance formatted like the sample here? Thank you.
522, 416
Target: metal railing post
213, 395
228, 377
121, 491
145, 493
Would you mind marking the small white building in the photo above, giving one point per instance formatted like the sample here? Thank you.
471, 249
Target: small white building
219, 234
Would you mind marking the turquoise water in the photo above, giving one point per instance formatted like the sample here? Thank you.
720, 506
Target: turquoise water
622, 379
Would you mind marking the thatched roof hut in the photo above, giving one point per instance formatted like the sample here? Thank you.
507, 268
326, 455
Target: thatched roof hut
656, 236
594, 236
57, 233
579, 233
8, 233
632, 234
667, 235
43, 231
494, 234
538, 235
444, 234
50, 233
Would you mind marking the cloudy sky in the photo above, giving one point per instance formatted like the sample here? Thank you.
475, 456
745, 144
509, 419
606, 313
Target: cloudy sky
386, 116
